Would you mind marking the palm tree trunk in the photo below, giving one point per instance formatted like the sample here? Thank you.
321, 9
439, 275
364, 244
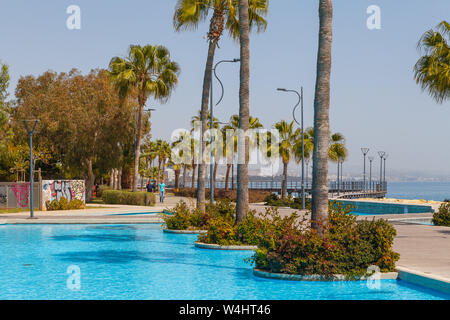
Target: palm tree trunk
177, 179
244, 112
322, 117
215, 32
138, 143
194, 167
284, 183
214, 174
184, 176
89, 181
227, 176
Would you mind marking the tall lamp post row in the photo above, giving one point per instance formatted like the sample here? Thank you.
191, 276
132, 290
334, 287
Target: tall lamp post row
383, 156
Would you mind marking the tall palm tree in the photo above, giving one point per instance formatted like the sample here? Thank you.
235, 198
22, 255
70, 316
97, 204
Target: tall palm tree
322, 117
146, 71
244, 112
164, 154
432, 71
188, 15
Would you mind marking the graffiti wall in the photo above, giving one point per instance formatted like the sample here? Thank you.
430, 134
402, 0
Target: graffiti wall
55, 189
3, 196
17, 195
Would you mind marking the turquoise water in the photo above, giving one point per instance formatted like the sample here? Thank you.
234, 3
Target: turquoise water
134, 213
142, 262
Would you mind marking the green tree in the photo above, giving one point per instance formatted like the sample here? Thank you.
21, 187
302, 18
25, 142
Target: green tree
146, 71
432, 71
188, 15
322, 116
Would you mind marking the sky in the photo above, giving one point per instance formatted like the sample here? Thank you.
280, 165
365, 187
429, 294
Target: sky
375, 101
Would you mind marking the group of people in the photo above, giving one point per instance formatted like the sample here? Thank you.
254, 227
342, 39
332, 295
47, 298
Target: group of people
151, 187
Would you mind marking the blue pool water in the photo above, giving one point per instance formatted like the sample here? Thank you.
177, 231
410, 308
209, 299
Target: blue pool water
142, 262
134, 213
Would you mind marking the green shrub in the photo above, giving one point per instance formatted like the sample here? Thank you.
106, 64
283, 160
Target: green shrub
63, 204
347, 247
128, 198
184, 218
442, 217
254, 196
295, 203
75, 204
53, 205
101, 189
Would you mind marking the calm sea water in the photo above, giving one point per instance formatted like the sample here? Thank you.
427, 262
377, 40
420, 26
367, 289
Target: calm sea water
438, 191
142, 262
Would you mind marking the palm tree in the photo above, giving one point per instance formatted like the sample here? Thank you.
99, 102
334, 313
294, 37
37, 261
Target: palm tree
288, 144
322, 117
432, 71
164, 153
244, 112
188, 15
230, 147
146, 71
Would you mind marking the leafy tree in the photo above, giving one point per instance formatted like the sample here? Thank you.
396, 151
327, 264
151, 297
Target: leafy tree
82, 123
188, 15
432, 71
146, 71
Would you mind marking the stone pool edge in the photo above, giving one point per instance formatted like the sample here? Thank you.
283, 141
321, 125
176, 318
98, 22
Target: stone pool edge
295, 277
184, 231
219, 247
411, 276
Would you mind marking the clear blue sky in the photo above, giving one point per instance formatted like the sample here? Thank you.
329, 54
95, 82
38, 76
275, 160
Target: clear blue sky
375, 102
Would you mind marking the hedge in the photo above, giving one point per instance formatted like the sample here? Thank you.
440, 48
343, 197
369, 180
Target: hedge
128, 198
254, 196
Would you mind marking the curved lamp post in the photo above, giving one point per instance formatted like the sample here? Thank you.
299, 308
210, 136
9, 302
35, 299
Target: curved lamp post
211, 121
364, 151
300, 101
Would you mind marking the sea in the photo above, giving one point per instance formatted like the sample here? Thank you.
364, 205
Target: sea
438, 191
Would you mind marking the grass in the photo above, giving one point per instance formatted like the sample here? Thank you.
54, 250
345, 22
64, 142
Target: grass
15, 210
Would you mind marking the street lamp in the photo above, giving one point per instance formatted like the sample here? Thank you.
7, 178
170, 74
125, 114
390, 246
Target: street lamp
371, 158
211, 121
384, 169
30, 134
364, 151
381, 154
300, 101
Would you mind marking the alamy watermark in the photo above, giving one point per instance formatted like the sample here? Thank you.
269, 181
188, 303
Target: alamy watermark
374, 19
73, 281
228, 146
73, 22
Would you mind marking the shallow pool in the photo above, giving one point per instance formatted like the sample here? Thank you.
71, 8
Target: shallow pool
142, 262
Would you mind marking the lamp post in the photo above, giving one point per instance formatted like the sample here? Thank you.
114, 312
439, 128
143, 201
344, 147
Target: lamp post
381, 154
370, 172
300, 101
384, 170
211, 122
364, 151
30, 134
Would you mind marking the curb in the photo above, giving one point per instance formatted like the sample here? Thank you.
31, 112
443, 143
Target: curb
219, 247
425, 280
316, 277
184, 231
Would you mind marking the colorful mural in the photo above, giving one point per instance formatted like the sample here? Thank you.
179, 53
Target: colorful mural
21, 192
3, 196
69, 189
